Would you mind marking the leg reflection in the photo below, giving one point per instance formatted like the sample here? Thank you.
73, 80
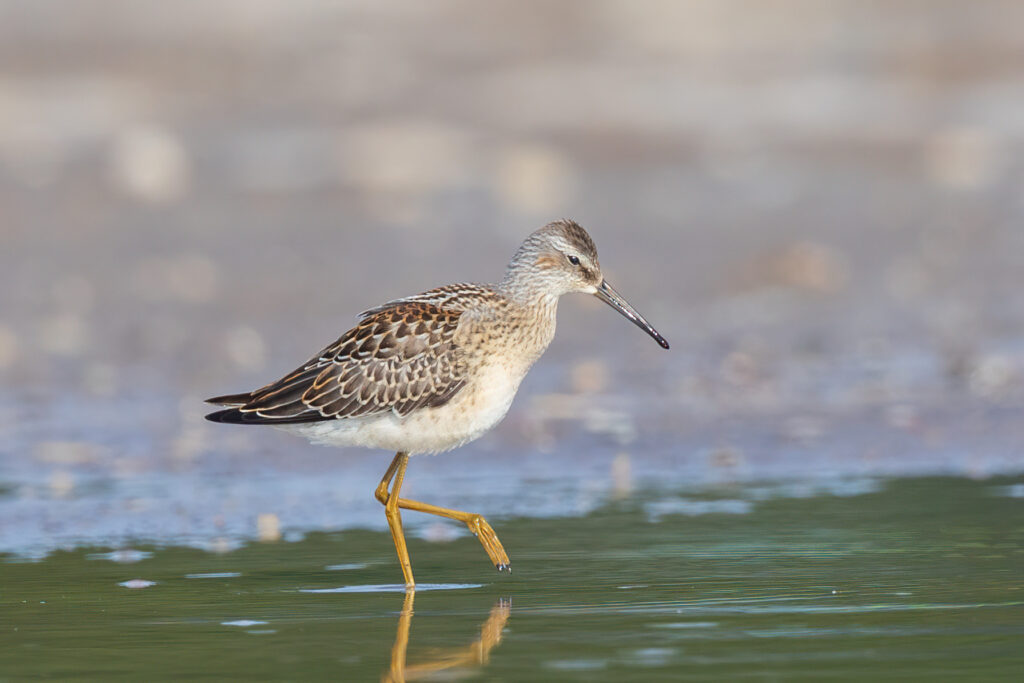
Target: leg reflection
474, 655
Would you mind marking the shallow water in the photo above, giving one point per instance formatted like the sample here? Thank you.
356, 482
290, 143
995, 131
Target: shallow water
819, 207
911, 577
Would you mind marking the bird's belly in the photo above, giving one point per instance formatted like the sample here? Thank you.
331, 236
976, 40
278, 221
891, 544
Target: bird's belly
473, 411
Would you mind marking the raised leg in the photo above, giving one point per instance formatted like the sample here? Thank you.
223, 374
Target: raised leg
392, 502
476, 523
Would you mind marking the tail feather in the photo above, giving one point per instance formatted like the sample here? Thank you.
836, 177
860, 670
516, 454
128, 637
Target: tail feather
230, 399
234, 416
237, 417
229, 416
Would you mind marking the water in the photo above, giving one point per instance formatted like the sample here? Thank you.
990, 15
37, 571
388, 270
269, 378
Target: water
913, 578
818, 207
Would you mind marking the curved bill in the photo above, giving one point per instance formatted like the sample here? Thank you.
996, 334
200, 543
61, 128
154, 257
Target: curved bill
608, 295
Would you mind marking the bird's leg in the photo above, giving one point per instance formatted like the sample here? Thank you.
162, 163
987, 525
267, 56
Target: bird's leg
381, 493
476, 523
391, 501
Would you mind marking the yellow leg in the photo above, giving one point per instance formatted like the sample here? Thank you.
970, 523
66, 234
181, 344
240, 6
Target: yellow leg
390, 500
476, 523
382, 488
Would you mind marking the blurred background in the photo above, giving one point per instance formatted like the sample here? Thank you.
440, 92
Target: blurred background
819, 204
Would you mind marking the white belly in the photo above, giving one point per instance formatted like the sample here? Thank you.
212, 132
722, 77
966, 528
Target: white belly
480, 405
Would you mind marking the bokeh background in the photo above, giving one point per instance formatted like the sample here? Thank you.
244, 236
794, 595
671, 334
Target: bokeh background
819, 204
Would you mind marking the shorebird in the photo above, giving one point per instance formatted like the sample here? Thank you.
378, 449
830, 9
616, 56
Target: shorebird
433, 371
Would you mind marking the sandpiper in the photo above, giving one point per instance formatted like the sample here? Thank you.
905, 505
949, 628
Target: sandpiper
436, 370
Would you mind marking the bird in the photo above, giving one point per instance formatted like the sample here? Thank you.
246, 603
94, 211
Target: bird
430, 372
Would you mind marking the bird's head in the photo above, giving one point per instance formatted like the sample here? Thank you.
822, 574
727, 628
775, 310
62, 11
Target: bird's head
561, 258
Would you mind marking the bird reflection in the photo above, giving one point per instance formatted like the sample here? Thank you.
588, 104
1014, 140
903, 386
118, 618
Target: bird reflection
474, 655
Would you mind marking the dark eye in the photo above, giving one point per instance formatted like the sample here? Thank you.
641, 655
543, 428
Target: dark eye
575, 260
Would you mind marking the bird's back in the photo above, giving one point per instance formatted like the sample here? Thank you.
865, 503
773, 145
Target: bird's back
406, 355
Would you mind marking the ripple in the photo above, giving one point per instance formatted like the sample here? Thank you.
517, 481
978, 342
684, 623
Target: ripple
693, 508
652, 656
346, 567
577, 664
126, 556
214, 575
393, 588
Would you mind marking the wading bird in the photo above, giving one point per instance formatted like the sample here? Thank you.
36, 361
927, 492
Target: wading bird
433, 371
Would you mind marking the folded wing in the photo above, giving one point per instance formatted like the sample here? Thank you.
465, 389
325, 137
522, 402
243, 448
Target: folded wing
399, 357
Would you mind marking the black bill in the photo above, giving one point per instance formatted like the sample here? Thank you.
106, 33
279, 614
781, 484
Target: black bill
608, 295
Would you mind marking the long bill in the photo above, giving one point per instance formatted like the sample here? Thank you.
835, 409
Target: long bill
608, 295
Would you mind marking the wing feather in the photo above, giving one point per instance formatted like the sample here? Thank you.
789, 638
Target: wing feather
400, 357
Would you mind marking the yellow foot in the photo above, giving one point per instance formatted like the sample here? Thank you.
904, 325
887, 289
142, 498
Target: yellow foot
489, 540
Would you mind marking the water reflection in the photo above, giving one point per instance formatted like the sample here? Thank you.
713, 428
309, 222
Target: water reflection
475, 655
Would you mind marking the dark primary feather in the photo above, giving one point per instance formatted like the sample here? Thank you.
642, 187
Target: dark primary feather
230, 399
400, 357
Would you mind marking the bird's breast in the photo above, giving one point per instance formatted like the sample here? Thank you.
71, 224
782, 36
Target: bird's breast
498, 351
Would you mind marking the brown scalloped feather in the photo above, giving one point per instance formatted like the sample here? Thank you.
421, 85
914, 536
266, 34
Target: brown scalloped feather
400, 357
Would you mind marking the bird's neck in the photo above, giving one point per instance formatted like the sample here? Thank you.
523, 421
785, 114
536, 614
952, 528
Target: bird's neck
523, 294
532, 317
527, 285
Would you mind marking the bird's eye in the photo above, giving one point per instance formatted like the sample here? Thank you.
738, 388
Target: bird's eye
575, 260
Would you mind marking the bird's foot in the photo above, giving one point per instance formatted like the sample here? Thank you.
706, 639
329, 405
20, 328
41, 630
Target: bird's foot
489, 540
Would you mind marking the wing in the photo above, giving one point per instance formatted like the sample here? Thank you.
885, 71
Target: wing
450, 297
399, 357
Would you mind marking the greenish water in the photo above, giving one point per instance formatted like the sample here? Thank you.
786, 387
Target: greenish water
918, 578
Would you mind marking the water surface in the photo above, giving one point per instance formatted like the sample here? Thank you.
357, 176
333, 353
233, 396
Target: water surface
908, 578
